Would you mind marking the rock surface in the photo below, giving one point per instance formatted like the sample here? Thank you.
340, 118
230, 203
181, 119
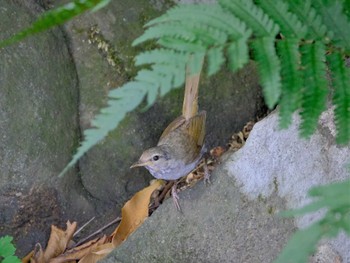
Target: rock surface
218, 224
53, 83
279, 161
102, 51
39, 131
234, 219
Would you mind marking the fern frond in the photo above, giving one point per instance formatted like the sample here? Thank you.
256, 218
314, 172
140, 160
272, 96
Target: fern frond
175, 30
341, 98
288, 50
269, 68
288, 22
215, 59
181, 45
56, 17
162, 56
204, 14
335, 20
122, 100
309, 17
315, 86
238, 54
252, 15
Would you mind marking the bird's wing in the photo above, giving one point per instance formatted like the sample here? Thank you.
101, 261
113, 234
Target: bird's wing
172, 126
196, 127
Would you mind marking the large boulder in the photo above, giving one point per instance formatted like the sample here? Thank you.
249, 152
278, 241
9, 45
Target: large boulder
236, 218
38, 130
101, 47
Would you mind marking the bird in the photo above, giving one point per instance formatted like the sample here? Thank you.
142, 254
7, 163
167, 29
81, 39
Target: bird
181, 145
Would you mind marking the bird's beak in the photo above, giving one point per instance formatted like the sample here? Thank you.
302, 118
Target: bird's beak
138, 164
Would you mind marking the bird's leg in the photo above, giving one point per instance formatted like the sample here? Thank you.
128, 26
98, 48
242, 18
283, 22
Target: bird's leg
175, 196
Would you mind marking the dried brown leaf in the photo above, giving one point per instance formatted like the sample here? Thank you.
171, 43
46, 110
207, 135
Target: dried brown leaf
79, 252
134, 212
99, 253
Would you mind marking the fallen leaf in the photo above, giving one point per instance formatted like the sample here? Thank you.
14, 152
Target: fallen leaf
134, 212
81, 251
101, 252
57, 244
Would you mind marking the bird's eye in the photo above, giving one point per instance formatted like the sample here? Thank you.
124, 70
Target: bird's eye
155, 158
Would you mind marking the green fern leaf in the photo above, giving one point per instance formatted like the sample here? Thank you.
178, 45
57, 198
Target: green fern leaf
215, 60
162, 56
309, 17
294, 252
204, 14
289, 23
288, 50
269, 69
336, 21
122, 100
238, 54
252, 15
175, 30
188, 31
341, 98
315, 86
56, 17
181, 45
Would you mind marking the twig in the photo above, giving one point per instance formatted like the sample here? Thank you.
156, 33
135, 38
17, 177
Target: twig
82, 227
98, 231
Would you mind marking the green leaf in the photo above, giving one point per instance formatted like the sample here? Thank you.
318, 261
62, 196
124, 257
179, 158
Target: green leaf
309, 17
215, 60
336, 198
288, 22
55, 17
6, 247
288, 51
162, 56
204, 14
122, 100
301, 245
341, 98
335, 20
238, 54
252, 15
315, 86
11, 259
269, 69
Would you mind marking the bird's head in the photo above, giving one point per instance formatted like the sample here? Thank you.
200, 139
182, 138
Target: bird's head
156, 160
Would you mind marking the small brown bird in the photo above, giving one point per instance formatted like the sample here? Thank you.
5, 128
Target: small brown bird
181, 145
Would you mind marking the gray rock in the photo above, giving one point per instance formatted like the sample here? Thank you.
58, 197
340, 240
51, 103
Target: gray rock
278, 161
235, 219
218, 224
38, 130
101, 47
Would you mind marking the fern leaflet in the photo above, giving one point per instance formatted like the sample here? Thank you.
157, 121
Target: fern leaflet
215, 60
238, 54
315, 86
252, 15
122, 100
269, 69
336, 22
289, 23
288, 50
56, 17
309, 17
205, 14
341, 98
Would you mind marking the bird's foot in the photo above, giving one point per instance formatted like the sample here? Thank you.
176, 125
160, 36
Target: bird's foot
175, 197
